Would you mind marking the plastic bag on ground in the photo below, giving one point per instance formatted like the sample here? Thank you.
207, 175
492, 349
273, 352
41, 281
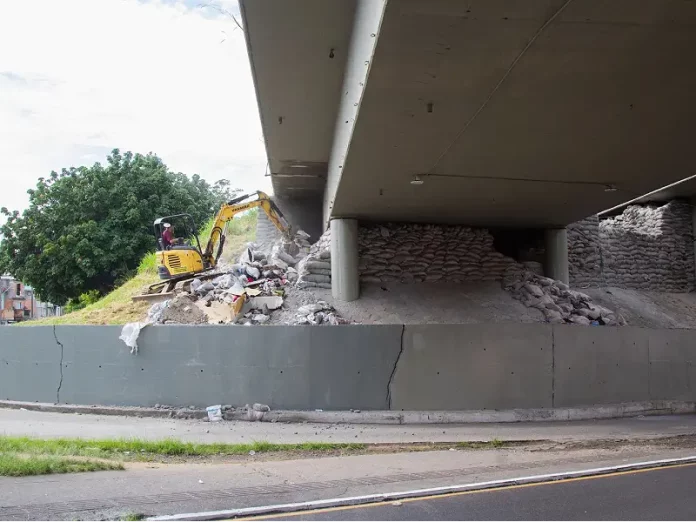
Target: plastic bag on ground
214, 413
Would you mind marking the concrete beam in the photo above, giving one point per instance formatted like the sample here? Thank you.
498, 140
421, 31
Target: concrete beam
363, 42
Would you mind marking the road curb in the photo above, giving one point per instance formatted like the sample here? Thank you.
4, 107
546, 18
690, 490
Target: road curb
611, 411
400, 495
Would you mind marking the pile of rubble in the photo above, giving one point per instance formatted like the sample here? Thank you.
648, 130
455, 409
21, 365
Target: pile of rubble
557, 301
317, 313
247, 292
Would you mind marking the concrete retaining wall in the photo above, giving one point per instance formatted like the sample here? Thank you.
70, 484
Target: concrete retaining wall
368, 367
474, 366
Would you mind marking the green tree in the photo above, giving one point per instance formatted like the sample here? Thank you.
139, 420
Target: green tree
87, 227
224, 192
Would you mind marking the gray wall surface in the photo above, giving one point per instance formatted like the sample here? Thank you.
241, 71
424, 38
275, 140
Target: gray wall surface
474, 366
413, 367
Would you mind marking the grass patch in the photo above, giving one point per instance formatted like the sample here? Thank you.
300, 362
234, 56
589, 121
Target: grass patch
488, 444
117, 306
24, 466
132, 517
135, 448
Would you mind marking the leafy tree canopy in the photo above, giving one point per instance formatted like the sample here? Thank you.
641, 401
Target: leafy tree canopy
88, 227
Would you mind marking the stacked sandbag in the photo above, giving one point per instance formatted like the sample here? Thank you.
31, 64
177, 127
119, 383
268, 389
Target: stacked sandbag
315, 269
557, 301
584, 253
649, 248
266, 232
410, 253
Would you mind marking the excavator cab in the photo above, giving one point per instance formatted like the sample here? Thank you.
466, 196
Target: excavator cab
180, 255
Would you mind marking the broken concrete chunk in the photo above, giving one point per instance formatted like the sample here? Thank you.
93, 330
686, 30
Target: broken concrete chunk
272, 302
205, 288
261, 318
310, 308
237, 289
225, 281
195, 284
260, 407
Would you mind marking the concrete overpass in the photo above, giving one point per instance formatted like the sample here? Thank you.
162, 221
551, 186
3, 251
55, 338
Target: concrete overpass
512, 113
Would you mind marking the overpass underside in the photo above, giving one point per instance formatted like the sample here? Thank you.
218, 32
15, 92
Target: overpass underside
493, 113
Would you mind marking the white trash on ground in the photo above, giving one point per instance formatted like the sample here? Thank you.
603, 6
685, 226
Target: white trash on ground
214, 413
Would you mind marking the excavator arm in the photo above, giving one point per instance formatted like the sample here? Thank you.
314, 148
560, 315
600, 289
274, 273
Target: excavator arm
213, 249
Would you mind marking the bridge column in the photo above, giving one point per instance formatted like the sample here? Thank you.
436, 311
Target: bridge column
345, 280
556, 240
693, 230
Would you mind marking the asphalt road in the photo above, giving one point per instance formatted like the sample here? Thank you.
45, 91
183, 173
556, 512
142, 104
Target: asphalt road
654, 494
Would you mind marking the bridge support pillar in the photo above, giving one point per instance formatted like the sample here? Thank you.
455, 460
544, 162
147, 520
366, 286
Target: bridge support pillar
693, 231
345, 279
556, 240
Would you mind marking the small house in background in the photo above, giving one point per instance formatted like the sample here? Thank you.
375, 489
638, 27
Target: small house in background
18, 302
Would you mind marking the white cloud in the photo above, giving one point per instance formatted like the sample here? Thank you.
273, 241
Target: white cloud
80, 77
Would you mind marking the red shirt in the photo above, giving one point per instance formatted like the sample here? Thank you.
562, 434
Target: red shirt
167, 236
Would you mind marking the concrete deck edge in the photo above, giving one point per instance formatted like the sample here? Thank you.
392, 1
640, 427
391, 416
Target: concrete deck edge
612, 411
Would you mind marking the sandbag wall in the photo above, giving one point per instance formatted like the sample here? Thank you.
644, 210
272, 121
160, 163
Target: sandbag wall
315, 269
411, 253
644, 248
585, 253
266, 231
649, 248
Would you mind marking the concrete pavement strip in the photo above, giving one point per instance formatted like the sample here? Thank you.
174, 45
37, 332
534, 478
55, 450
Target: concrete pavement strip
399, 495
57, 425
608, 411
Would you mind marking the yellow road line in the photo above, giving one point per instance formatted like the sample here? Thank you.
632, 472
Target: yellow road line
386, 503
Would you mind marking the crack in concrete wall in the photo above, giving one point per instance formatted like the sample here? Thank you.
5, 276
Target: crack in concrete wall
62, 350
393, 372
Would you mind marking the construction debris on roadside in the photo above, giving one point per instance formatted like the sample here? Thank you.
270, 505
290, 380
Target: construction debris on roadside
247, 292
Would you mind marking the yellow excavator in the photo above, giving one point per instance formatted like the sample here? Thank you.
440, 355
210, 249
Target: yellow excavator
179, 260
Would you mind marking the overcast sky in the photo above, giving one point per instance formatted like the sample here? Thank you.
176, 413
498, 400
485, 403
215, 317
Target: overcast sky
80, 77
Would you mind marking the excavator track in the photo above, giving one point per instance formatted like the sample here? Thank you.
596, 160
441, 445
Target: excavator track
167, 289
